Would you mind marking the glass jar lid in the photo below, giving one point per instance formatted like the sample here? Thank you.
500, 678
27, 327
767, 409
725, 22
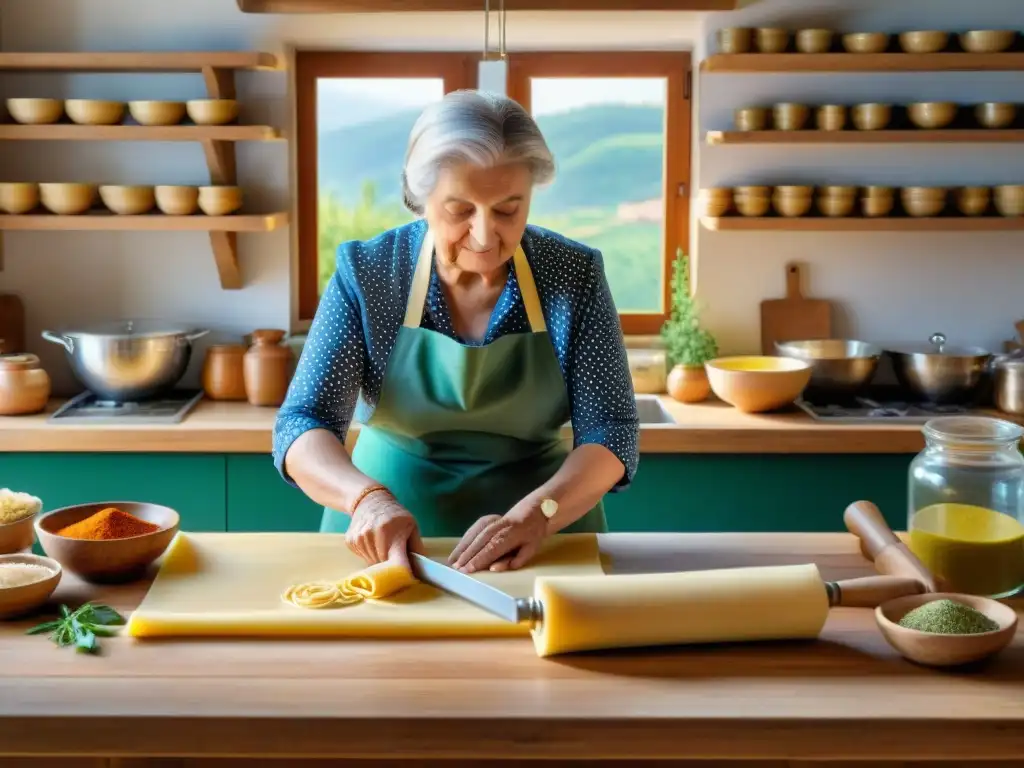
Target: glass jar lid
972, 431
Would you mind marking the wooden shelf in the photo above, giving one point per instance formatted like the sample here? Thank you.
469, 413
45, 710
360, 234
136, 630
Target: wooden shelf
952, 136
863, 62
137, 61
105, 221
369, 6
71, 132
856, 224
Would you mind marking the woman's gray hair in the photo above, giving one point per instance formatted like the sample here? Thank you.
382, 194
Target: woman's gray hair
474, 126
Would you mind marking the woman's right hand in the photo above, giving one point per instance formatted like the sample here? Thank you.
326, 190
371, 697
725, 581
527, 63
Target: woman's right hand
382, 529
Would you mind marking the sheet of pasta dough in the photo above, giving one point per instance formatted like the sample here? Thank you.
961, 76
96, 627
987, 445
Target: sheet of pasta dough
230, 584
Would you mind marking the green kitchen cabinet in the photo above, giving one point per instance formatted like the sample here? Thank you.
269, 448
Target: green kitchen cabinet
260, 500
192, 484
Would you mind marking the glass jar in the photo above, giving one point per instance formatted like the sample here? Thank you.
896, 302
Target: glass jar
966, 505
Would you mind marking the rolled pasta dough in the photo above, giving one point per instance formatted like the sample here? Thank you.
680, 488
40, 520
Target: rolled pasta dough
372, 583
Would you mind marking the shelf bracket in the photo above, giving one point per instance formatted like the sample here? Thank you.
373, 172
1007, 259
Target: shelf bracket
225, 255
220, 83
221, 161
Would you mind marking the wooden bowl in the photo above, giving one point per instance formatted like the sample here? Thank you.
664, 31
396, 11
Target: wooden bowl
987, 40
972, 201
67, 199
771, 39
176, 200
18, 197
752, 201
717, 201
19, 535
923, 201
157, 112
876, 207
836, 201
754, 384
735, 40
830, 117
932, 114
220, 201
871, 117
35, 111
790, 117
814, 40
792, 201
18, 601
866, 42
128, 200
94, 111
751, 118
995, 114
937, 650
212, 111
924, 41
115, 560
1009, 199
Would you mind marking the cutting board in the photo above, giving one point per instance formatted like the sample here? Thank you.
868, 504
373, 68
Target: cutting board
12, 324
230, 584
794, 317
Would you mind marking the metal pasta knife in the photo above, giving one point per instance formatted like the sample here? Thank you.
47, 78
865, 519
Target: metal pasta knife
517, 610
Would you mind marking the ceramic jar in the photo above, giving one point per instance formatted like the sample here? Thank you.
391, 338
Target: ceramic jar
267, 368
224, 372
688, 384
24, 385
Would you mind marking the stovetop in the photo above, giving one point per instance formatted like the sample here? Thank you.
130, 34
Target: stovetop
167, 409
875, 406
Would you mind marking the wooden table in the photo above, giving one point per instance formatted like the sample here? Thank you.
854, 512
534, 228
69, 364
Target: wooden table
847, 696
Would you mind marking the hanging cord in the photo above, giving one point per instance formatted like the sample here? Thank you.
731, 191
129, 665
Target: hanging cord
501, 30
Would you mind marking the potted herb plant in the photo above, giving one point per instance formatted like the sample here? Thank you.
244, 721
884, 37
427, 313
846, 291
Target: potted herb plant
688, 345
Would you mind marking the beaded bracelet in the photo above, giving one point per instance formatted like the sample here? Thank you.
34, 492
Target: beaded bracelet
366, 492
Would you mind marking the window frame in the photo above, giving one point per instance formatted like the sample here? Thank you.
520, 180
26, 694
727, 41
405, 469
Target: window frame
675, 67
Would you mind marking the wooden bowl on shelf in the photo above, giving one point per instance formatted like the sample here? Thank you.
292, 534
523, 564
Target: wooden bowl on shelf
924, 41
35, 111
1009, 199
157, 112
110, 560
876, 202
790, 117
814, 40
751, 118
717, 201
67, 198
735, 40
212, 111
24, 599
871, 117
972, 201
866, 42
94, 111
836, 201
988, 40
220, 200
127, 200
177, 200
771, 39
754, 384
752, 201
932, 114
830, 117
792, 201
938, 650
995, 114
923, 201
18, 197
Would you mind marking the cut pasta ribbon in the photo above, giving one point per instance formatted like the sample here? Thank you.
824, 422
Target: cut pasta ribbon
373, 583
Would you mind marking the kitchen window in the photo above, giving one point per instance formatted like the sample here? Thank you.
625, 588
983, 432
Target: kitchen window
617, 122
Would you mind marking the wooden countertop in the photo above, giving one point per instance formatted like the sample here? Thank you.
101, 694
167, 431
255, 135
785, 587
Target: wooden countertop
709, 427
846, 696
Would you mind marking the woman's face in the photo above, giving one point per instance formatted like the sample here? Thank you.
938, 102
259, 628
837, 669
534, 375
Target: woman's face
477, 215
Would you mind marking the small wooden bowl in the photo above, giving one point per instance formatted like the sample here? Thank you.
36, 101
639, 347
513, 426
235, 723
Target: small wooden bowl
67, 199
94, 111
789, 204
19, 535
220, 201
814, 40
18, 197
936, 650
176, 200
790, 117
212, 111
932, 114
35, 111
751, 118
995, 114
924, 41
830, 117
874, 207
157, 112
128, 200
735, 40
923, 201
751, 203
987, 40
717, 201
871, 117
866, 42
19, 601
771, 39
1009, 199
972, 201
114, 560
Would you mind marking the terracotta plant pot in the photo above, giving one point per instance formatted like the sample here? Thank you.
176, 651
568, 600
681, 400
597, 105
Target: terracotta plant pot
688, 384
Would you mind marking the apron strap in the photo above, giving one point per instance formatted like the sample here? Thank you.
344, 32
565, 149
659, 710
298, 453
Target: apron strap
421, 284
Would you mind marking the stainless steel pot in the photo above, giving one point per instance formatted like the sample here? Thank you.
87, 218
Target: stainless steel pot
939, 373
838, 366
128, 360
1008, 383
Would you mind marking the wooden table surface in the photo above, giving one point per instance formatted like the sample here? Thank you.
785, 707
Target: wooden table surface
847, 695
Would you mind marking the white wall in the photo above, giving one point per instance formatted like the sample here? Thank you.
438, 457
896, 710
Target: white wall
890, 286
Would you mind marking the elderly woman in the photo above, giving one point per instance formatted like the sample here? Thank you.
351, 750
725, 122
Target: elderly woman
473, 338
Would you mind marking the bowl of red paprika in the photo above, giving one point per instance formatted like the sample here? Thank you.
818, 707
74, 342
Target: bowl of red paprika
106, 542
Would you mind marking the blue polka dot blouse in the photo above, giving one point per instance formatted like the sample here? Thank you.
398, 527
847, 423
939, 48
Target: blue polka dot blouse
346, 353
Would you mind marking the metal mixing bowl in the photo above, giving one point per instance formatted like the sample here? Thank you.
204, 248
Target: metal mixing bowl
838, 366
129, 360
939, 373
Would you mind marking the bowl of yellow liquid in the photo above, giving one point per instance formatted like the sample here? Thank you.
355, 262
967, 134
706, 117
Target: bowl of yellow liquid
973, 550
758, 383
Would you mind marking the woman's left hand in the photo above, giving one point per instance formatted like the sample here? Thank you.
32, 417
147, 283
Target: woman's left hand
501, 542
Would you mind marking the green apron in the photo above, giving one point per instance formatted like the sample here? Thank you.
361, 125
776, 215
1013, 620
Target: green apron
459, 431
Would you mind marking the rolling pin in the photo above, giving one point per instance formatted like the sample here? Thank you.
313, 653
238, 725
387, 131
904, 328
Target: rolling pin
882, 547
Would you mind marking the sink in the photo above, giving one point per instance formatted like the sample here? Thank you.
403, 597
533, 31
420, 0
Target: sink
651, 411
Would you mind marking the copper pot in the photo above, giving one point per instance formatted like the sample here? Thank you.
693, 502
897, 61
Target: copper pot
24, 385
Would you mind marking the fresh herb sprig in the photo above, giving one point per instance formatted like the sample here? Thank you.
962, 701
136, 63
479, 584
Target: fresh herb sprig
81, 628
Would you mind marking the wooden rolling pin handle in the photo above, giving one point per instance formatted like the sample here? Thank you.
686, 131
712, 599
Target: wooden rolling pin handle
880, 545
870, 591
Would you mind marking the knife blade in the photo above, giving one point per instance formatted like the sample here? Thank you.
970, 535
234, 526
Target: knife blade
516, 610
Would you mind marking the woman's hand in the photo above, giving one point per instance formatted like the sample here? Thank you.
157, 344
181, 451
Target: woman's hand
501, 542
382, 529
